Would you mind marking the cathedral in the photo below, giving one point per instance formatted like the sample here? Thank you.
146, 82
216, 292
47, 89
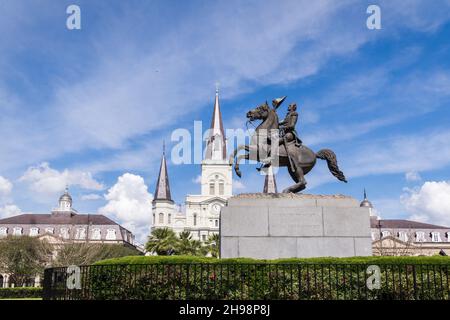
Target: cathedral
201, 211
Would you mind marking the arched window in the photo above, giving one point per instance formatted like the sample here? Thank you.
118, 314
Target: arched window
169, 218
221, 187
161, 217
212, 189
154, 219
195, 219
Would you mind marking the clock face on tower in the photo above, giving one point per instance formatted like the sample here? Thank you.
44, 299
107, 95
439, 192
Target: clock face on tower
216, 207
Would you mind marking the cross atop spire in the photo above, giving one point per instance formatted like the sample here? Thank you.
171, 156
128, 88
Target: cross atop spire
270, 184
216, 146
162, 191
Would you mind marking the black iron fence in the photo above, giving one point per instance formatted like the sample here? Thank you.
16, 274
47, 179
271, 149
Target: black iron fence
201, 281
19, 280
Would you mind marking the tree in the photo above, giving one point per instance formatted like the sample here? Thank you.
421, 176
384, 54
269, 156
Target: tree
213, 244
89, 253
187, 246
162, 241
24, 257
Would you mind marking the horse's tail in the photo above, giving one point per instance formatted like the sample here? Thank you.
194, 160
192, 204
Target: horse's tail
330, 156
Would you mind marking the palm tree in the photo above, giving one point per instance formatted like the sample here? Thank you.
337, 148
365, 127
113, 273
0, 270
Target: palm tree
162, 241
213, 244
187, 246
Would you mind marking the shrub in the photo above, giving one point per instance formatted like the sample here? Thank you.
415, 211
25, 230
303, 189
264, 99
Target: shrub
20, 292
187, 277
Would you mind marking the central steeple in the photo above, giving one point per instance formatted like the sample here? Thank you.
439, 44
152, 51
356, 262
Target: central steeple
162, 191
216, 147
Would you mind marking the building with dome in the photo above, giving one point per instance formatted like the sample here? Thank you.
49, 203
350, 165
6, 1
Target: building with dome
399, 237
64, 224
201, 211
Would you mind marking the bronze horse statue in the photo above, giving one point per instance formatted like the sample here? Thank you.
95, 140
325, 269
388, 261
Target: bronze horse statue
301, 159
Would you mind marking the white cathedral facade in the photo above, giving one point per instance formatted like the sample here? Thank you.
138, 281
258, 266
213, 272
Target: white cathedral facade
201, 212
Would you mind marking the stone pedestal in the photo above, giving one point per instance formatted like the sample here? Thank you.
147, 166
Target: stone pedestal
272, 226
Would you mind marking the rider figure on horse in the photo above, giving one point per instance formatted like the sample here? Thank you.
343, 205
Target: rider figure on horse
287, 127
287, 134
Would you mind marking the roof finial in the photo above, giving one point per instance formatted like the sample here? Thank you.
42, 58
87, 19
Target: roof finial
66, 190
217, 88
164, 147
365, 194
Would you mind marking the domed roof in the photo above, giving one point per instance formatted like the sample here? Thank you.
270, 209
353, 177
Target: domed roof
66, 196
366, 203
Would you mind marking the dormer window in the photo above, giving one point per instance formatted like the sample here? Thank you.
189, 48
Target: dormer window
96, 234
436, 237
3, 232
34, 232
111, 234
80, 234
17, 231
420, 236
403, 236
385, 234
64, 233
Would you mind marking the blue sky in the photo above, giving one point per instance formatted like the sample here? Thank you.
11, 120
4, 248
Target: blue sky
85, 107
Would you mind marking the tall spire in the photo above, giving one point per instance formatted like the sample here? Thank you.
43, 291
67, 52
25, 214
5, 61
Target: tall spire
270, 184
366, 202
162, 191
216, 146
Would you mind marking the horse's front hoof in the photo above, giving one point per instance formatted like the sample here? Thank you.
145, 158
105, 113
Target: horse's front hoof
238, 173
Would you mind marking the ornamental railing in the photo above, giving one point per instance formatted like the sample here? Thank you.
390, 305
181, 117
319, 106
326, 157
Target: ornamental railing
230, 281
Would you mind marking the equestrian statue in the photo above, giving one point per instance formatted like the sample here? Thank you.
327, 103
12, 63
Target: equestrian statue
277, 143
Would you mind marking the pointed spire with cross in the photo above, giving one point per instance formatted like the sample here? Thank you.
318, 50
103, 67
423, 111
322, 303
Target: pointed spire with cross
216, 144
162, 191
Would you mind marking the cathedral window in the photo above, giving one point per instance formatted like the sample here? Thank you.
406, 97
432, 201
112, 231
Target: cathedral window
169, 218
195, 219
34, 232
436, 237
154, 219
216, 223
212, 188
17, 231
161, 218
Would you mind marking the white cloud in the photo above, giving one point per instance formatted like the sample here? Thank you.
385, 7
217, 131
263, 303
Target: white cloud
197, 179
238, 185
429, 203
9, 210
130, 203
5, 187
411, 176
44, 179
90, 197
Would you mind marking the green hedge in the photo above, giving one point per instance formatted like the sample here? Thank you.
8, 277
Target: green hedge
186, 277
20, 292
352, 260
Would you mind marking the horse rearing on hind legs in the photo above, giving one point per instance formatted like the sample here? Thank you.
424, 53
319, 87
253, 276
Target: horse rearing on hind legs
299, 159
